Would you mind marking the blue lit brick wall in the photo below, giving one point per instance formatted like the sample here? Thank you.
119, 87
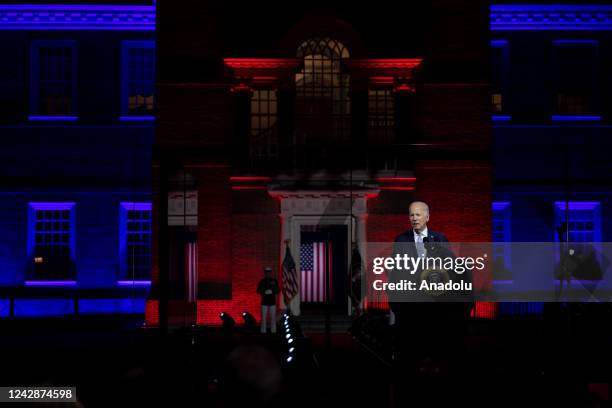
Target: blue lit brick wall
13, 239
97, 235
96, 162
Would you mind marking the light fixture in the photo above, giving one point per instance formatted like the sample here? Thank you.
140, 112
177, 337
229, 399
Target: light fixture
228, 321
249, 320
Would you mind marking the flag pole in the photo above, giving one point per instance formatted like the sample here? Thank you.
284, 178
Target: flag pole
287, 301
288, 268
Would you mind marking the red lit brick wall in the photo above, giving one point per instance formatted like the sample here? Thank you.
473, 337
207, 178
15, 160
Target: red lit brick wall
194, 115
454, 113
255, 243
384, 228
459, 197
388, 215
152, 312
214, 224
458, 193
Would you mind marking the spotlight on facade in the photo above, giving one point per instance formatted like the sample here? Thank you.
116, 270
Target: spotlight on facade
289, 359
288, 335
290, 341
249, 320
291, 349
228, 321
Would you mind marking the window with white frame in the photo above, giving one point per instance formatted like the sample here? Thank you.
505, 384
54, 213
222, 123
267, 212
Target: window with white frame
135, 242
138, 78
500, 62
578, 221
579, 224
53, 78
51, 242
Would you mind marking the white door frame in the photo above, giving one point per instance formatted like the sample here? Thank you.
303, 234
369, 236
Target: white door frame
299, 208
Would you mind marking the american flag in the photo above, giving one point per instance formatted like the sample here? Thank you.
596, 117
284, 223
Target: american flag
314, 264
290, 287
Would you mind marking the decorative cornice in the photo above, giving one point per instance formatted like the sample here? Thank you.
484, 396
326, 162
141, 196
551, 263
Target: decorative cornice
323, 203
397, 183
114, 17
250, 182
323, 194
262, 63
76, 17
551, 17
394, 72
381, 80
577, 205
384, 63
262, 72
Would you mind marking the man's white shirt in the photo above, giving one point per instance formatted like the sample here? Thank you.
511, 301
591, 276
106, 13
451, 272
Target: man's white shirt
418, 239
423, 234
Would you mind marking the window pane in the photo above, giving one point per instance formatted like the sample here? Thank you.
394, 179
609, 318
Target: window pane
52, 246
140, 79
138, 251
55, 79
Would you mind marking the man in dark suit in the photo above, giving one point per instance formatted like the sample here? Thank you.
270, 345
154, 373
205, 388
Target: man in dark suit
419, 233
418, 241
427, 326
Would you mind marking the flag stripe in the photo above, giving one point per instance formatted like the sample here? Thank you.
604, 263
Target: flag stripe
314, 272
329, 268
323, 272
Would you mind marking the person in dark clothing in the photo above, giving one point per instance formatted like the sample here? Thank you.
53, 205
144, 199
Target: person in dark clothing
428, 326
268, 289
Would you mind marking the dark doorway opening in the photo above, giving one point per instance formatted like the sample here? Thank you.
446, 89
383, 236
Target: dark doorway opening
323, 263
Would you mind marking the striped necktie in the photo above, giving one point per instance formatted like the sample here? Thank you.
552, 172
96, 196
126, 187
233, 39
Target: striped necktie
420, 247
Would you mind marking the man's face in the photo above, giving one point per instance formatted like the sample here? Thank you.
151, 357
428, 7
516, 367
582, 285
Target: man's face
419, 215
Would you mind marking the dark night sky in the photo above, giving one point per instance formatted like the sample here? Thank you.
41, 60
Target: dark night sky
245, 26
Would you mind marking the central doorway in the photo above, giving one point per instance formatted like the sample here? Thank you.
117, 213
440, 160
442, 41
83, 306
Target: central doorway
323, 266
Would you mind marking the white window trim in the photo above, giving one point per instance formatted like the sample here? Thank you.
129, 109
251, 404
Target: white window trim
124, 207
38, 206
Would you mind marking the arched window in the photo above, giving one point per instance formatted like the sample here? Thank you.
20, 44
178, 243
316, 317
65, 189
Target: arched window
322, 101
